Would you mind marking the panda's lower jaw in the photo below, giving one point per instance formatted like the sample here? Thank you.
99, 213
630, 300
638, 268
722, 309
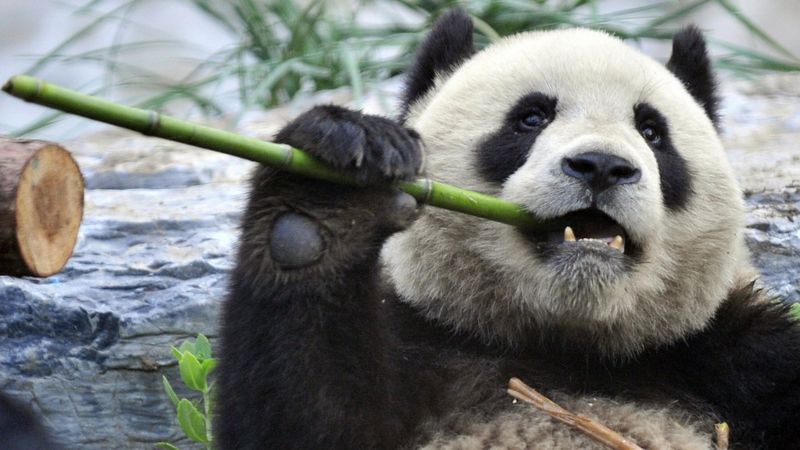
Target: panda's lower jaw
587, 229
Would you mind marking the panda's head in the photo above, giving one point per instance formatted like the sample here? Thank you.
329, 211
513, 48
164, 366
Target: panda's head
617, 154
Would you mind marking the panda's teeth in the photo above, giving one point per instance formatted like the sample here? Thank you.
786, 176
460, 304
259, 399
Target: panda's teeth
618, 243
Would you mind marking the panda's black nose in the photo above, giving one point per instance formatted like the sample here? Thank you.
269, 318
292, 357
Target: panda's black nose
600, 170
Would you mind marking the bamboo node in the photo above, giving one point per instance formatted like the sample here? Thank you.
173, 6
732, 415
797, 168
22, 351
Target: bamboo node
287, 157
153, 123
39, 88
428, 190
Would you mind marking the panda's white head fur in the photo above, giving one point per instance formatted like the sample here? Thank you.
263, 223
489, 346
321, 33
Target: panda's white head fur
585, 132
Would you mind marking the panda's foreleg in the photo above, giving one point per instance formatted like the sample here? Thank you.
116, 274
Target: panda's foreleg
304, 350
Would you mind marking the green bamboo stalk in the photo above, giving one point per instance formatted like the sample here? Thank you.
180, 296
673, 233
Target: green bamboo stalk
279, 156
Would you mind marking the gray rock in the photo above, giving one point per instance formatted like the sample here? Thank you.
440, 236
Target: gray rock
773, 235
166, 179
87, 347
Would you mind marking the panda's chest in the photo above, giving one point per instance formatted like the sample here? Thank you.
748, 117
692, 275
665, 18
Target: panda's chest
651, 426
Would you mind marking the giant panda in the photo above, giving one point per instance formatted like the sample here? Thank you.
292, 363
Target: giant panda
357, 319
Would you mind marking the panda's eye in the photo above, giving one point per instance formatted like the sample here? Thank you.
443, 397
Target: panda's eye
650, 133
534, 119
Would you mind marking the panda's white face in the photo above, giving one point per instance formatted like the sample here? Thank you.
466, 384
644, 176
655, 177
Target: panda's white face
643, 218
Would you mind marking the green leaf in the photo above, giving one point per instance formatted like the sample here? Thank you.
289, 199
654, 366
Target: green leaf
77, 37
208, 366
354, 75
202, 347
176, 353
752, 28
43, 122
796, 310
192, 421
166, 446
187, 346
485, 29
679, 13
755, 59
170, 392
192, 372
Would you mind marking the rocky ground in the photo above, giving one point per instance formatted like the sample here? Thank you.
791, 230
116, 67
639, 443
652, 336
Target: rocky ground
87, 348
762, 135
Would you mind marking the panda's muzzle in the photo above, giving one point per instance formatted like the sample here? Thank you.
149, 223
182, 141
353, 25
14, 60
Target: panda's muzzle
590, 227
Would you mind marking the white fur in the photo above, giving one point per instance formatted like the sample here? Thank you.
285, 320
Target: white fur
482, 277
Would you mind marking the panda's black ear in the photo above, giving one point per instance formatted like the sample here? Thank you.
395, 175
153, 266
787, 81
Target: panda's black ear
690, 63
447, 46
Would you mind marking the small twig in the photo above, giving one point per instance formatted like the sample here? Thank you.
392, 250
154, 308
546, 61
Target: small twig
723, 435
591, 428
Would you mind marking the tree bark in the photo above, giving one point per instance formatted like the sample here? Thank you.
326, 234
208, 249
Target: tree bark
41, 207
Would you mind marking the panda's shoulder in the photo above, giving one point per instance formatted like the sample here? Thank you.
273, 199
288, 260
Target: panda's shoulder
752, 338
751, 320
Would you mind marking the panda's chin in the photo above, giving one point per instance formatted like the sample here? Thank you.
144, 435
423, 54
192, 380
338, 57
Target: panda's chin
589, 265
582, 237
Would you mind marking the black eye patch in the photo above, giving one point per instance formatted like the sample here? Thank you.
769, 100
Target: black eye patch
505, 150
676, 182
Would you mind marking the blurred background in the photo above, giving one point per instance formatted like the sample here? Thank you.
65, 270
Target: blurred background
222, 59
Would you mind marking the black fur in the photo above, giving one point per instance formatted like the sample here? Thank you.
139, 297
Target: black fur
507, 149
447, 46
20, 429
689, 62
676, 182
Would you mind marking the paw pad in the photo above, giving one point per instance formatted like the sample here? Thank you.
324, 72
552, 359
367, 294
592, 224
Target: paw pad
295, 241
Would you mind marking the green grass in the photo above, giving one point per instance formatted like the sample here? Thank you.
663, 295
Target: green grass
287, 48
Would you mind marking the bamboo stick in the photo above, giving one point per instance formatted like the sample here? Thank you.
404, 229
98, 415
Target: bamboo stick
279, 156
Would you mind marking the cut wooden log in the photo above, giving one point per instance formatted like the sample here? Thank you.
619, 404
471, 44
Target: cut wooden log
41, 207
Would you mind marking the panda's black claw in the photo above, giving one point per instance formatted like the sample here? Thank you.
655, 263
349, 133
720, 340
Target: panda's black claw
373, 149
345, 143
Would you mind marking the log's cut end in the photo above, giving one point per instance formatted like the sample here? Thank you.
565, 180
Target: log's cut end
43, 189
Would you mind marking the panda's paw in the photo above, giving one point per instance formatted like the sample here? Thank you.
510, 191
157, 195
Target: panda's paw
373, 149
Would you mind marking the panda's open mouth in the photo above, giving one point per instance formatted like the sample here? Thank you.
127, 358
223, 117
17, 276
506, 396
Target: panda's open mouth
590, 227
